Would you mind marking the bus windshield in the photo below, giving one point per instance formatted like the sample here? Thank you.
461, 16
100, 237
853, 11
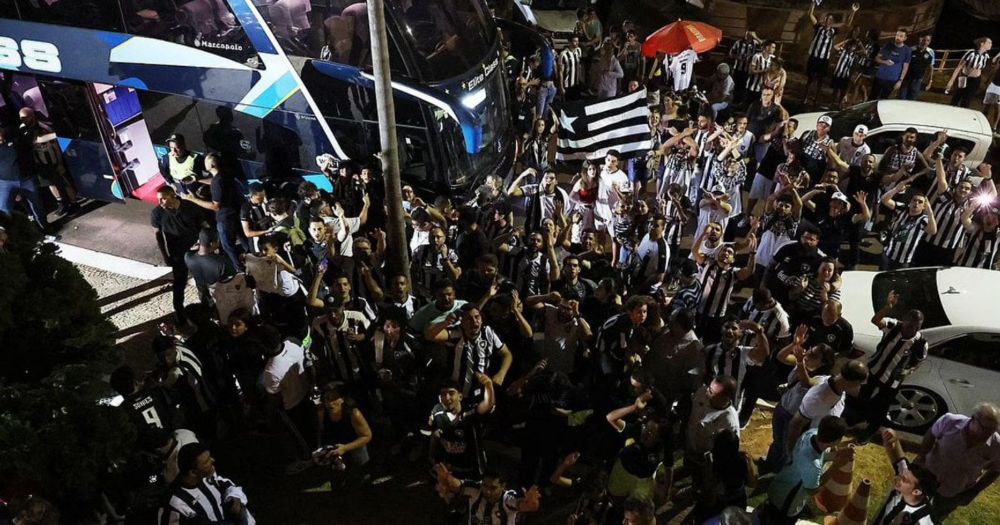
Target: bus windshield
449, 37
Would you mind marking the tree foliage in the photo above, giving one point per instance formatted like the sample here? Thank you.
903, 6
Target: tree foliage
56, 347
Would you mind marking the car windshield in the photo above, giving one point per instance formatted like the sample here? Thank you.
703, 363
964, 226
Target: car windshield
449, 37
917, 289
845, 121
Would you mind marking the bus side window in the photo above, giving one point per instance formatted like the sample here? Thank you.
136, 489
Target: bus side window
89, 14
169, 114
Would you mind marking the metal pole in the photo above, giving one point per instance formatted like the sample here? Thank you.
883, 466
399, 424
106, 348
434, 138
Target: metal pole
397, 254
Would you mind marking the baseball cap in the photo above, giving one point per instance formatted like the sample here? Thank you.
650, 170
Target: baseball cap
825, 119
718, 188
839, 196
861, 128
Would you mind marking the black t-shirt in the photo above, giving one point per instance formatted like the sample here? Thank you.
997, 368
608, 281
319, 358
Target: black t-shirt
856, 181
180, 226
773, 157
919, 62
150, 409
791, 260
226, 192
457, 441
839, 335
256, 215
206, 269
580, 291
760, 118
832, 232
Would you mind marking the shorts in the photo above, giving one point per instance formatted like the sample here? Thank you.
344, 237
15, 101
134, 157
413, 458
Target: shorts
51, 176
761, 188
992, 94
817, 67
839, 82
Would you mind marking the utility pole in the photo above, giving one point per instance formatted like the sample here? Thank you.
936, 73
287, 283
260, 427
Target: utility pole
397, 254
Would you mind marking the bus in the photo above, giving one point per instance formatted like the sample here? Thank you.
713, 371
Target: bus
271, 85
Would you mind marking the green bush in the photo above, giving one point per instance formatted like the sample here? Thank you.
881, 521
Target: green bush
55, 351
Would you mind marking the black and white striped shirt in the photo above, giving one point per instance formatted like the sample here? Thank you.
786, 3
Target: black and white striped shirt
957, 174
571, 66
716, 287
205, 503
675, 221
899, 158
815, 147
822, 42
894, 354
773, 319
474, 356
742, 52
904, 234
948, 214
732, 362
974, 60
756, 80
848, 59
980, 250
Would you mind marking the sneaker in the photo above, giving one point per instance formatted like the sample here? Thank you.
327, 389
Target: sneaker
63, 209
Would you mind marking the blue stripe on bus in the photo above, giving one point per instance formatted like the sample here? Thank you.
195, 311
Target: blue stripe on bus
251, 26
114, 39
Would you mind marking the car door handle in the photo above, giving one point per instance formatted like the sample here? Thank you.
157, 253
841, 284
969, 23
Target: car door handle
961, 382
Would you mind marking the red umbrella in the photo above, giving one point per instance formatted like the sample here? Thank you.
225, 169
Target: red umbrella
680, 35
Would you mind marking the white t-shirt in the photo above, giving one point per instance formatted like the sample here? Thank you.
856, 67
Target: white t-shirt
649, 251
606, 197
286, 373
821, 401
346, 239
233, 294
682, 68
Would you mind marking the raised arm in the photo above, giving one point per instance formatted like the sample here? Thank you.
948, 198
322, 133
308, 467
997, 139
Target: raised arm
515, 187
761, 347
864, 212
890, 303
489, 397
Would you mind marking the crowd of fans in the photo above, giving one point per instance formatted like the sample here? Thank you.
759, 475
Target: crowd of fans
574, 320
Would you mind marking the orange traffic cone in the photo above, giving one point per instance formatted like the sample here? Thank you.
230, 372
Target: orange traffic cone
856, 511
835, 485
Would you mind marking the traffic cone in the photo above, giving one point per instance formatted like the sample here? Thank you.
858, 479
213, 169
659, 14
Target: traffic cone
835, 485
856, 511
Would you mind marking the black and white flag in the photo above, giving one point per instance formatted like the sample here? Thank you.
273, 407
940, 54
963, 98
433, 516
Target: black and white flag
587, 130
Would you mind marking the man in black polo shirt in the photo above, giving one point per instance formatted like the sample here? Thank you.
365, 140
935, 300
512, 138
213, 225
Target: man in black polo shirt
921, 62
177, 224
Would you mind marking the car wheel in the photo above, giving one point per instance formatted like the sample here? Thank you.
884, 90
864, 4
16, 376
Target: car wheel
915, 409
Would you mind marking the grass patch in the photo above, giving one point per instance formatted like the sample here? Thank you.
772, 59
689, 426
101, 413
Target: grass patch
870, 462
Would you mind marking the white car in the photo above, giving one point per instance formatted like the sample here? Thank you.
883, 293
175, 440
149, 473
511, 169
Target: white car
962, 329
888, 119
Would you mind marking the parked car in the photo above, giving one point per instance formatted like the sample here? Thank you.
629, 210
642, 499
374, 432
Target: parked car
887, 119
962, 329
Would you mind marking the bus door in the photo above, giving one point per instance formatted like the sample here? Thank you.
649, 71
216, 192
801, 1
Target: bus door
126, 138
64, 107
